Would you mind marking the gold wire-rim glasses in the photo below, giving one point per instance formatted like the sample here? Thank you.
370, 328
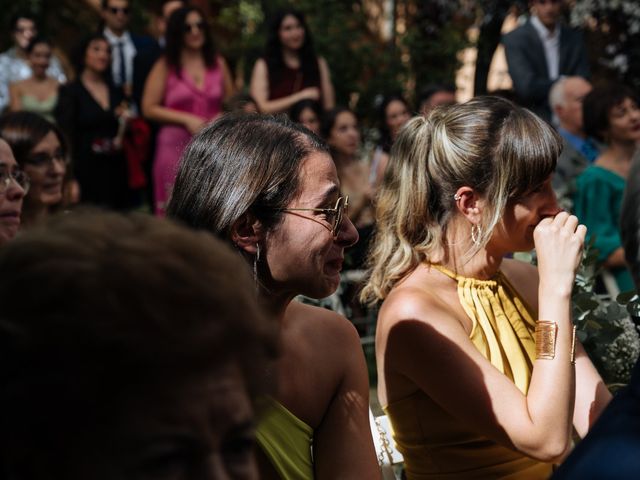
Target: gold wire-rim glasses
342, 205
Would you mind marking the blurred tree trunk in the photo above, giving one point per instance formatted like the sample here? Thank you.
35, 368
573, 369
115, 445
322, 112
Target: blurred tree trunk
494, 13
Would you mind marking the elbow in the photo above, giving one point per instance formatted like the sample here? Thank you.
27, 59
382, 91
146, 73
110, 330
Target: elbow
550, 450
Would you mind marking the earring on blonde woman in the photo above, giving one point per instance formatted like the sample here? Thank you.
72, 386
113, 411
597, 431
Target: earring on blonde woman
476, 233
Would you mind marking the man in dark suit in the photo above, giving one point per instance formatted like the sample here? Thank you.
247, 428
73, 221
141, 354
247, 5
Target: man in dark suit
125, 48
540, 51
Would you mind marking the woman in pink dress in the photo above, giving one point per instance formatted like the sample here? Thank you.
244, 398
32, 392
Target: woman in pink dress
184, 91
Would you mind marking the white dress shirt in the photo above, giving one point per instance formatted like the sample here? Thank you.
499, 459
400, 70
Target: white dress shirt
129, 54
551, 44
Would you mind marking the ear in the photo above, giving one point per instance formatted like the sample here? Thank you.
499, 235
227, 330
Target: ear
246, 233
469, 204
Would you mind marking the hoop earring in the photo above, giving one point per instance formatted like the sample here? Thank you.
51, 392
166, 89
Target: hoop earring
476, 233
256, 259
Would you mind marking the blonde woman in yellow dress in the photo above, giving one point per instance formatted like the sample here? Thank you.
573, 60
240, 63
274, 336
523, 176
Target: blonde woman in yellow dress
475, 351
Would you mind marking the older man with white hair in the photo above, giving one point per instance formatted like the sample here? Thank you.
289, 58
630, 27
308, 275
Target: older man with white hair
565, 99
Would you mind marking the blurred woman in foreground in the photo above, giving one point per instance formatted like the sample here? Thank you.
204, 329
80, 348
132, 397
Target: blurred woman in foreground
157, 382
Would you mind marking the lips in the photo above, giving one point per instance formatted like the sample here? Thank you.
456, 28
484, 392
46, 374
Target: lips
10, 217
334, 266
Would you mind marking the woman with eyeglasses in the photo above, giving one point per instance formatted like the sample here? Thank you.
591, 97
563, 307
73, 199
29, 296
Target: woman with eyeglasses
14, 184
40, 150
92, 113
479, 368
185, 89
270, 189
290, 70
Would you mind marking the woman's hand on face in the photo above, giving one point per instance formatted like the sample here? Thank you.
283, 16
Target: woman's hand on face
559, 241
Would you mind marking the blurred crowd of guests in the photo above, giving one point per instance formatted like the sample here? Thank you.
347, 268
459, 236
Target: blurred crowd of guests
113, 133
135, 102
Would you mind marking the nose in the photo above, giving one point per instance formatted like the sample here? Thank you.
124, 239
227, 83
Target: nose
58, 167
347, 233
550, 207
14, 191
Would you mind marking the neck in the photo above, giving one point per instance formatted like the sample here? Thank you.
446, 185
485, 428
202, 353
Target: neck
622, 151
342, 159
21, 52
190, 54
275, 304
117, 33
291, 57
483, 265
91, 76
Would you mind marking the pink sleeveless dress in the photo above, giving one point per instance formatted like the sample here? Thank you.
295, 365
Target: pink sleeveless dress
183, 95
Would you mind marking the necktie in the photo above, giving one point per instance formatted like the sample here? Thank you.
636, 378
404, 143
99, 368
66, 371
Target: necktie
122, 74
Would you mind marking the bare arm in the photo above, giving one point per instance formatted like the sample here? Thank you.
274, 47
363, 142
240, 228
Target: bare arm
537, 423
15, 103
153, 94
616, 259
343, 446
328, 94
592, 395
259, 90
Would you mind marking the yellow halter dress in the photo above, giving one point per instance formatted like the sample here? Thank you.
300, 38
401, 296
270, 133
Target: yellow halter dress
436, 445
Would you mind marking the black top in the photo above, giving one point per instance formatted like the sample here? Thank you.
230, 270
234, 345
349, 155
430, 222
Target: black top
100, 170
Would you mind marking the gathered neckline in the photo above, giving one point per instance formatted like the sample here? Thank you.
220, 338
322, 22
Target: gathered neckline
494, 280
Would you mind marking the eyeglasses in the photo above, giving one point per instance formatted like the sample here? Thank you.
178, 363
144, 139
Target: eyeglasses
43, 159
188, 27
116, 10
334, 215
19, 176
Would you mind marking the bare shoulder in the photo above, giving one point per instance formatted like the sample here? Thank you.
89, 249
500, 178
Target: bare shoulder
323, 63
323, 324
260, 65
411, 302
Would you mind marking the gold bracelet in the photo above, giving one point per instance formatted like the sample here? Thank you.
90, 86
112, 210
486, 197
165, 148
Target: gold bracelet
573, 346
546, 340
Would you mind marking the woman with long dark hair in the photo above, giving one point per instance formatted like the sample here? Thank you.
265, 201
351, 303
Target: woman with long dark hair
92, 113
185, 90
290, 70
